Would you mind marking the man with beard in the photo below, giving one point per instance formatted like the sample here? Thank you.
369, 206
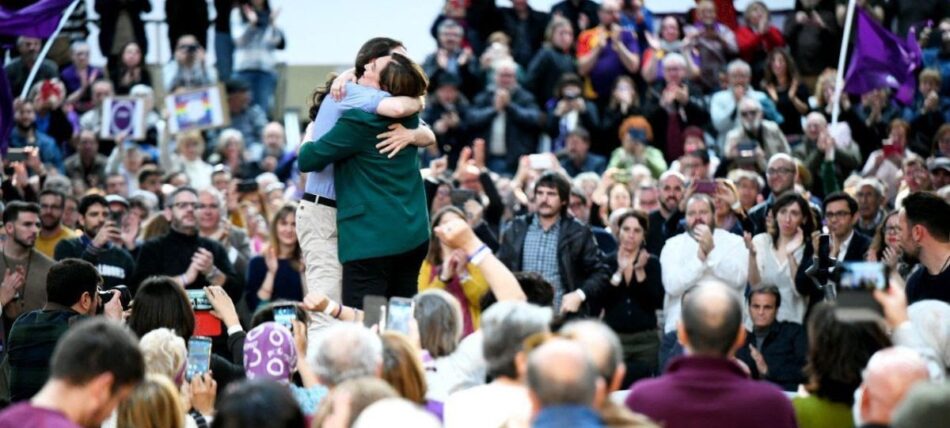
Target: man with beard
25, 134
703, 252
557, 246
101, 244
724, 105
24, 269
19, 69
52, 204
194, 262
927, 238
665, 220
755, 139
780, 175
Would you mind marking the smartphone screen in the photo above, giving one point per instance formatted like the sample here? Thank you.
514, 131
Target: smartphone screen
856, 286
199, 300
199, 356
16, 154
374, 308
706, 186
399, 314
285, 315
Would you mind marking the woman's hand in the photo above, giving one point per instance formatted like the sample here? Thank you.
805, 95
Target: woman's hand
315, 301
270, 259
222, 305
338, 88
797, 241
201, 392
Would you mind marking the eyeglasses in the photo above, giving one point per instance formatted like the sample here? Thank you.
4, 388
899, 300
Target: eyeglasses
749, 113
184, 205
777, 171
837, 214
210, 206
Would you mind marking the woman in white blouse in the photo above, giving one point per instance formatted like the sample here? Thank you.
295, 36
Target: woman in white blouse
781, 256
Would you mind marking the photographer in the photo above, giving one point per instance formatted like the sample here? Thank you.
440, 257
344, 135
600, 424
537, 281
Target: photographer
189, 69
101, 244
569, 111
72, 288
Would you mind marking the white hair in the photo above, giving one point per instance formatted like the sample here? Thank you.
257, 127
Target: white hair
738, 65
164, 352
384, 412
347, 351
674, 57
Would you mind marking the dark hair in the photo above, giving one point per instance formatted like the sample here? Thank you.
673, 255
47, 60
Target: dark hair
700, 154
161, 302
790, 68
180, 190
581, 133
559, 182
840, 196
808, 217
95, 346
92, 199
435, 249
68, 279
148, 172
567, 79
316, 98
402, 77
709, 332
929, 211
536, 289
641, 217
837, 353
56, 193
372, 49
258, 403
12, 212
878, 241
768, 289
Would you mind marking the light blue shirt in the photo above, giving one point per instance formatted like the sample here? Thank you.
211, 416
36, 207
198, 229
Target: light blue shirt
320, 183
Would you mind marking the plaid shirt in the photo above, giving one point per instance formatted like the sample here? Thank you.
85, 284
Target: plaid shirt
540, 255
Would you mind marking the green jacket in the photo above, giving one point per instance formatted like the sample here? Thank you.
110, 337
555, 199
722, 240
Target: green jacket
381, 203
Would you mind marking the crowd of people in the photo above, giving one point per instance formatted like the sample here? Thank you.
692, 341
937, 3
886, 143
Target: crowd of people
598, 216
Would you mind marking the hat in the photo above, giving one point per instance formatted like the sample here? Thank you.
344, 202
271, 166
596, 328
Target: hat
636, 123
116, 199
270, 352
939, 163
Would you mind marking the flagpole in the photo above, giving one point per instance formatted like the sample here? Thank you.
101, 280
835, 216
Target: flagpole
839, 76
46, 47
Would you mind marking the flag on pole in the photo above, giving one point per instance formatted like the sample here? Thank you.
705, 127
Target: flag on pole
39, 20
881, 59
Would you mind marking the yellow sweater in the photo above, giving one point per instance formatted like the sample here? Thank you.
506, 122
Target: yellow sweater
48, 245
474, 288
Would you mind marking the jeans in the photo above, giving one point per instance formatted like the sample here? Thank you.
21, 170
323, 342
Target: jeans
224, 52
395, 275
263, 84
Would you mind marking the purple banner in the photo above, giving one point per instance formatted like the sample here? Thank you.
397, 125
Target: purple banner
881, 59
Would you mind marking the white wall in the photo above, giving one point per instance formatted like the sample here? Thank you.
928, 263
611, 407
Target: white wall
329, 32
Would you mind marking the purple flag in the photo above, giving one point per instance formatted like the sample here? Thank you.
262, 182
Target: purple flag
37, 20
880, 59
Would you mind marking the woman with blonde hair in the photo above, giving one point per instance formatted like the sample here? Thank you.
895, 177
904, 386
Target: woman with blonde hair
189, 147
154, 403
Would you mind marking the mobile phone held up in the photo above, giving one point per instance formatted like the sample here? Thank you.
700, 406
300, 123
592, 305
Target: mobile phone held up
285, 314
374, 311
856, 285
199, 357
399, 314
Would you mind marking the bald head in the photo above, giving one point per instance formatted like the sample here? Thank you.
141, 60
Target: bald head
561, 372
711, 320
889, 375
601, 343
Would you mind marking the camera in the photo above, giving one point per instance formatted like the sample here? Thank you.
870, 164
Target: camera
105, 296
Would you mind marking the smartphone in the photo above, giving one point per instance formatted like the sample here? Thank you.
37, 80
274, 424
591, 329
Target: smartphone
374, 311
116, 217
706, 186
285, 314
16, 154
540, 161
824, 251
399, 314
747, 149
199, 356
460, 196
199, 300
856, 285
891, 150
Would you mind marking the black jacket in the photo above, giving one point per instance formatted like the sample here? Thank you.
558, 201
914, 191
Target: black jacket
662, 229
109, 11
784, 350
114, 263
580, 262
522, 123
171, 255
